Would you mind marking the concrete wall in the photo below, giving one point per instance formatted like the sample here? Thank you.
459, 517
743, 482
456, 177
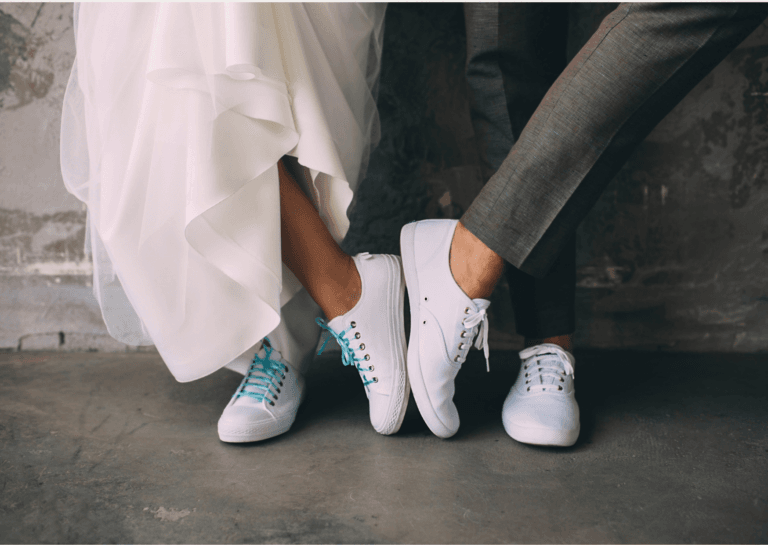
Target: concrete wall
41, 225
674, 256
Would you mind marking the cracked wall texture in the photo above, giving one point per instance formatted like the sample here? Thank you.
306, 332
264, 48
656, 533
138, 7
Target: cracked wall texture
673, 257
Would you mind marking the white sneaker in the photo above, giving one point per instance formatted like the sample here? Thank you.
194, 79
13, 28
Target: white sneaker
266, 402
541, 407
444, 322
372, 339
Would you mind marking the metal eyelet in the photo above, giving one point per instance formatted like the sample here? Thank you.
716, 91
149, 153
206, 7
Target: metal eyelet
426, 298
375, 379
286, 370
362, 346
280, 382
559, 387
456, 359
357, 335
526, 375
370, 367
271, 402
461, 346
466, 310
527, 381
529, 389
278, 391
367, 357
424, 322
463, 334
562, 380
353, 324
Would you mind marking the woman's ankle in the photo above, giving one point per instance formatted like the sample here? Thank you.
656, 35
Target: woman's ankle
343, 290
475, 267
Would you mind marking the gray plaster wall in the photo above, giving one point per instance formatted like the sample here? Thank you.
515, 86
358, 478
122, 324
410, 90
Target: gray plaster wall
673, 257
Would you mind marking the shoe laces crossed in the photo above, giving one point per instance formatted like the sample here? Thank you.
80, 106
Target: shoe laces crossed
545, 367
262, 377
347, 352
472, 319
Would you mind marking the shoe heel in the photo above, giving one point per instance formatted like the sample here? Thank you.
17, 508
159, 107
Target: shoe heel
415, 377
407, 236
403, 389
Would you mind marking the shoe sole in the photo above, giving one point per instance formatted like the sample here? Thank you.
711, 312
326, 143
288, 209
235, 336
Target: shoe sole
260, 433
542, 436
418, 387
402, 388
277, 427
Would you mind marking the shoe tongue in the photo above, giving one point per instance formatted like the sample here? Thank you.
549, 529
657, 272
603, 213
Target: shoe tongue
248, 401
252, 385
546, 364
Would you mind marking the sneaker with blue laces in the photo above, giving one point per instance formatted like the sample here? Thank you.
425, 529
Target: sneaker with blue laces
541, 407
372, 339
266, 402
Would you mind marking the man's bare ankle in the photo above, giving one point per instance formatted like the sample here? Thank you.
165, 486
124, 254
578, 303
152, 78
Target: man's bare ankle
563, 341
475, 267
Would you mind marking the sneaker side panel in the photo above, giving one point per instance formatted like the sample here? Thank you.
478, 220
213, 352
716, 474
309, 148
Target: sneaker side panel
417, 379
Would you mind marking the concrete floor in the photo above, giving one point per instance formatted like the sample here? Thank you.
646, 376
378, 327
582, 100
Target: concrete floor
109, 448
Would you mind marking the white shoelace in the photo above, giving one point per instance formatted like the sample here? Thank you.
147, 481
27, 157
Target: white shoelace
545, 367
475, 317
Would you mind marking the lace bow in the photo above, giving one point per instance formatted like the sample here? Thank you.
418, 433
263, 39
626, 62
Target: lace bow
480, 316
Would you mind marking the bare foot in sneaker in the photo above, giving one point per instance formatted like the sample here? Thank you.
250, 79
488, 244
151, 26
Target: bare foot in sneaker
363, 299
445, 320
361, 296
372, 339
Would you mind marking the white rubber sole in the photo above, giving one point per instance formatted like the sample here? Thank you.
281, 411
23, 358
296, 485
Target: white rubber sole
402, 389
259, 432
541, 436
245, 433
418, 386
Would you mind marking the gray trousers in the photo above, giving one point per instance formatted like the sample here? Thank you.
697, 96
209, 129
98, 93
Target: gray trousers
515, 52
641, 62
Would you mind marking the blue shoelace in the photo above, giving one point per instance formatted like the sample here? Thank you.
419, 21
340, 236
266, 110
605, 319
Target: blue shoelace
347, 352
270, 374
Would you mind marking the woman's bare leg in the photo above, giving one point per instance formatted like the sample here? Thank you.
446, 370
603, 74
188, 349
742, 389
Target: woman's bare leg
310, 252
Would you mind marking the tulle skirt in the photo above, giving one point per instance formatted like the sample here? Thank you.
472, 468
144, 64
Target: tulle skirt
174, 119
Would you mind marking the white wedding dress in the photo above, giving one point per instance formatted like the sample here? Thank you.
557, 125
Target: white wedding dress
174, 120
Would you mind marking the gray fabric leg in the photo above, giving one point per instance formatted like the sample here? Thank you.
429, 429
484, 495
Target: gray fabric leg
515, 51
640, 63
